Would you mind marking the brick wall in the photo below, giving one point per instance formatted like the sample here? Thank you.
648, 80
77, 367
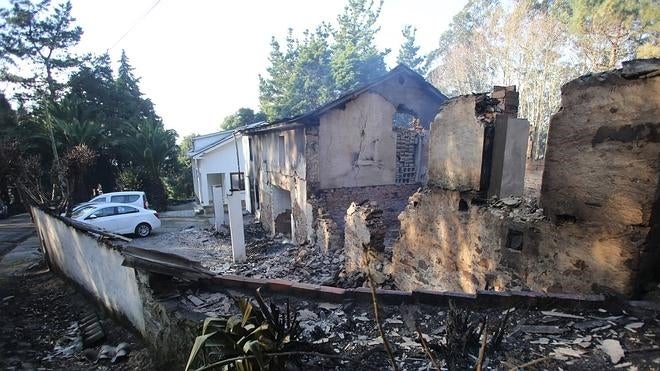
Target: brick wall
406, 155
392, 199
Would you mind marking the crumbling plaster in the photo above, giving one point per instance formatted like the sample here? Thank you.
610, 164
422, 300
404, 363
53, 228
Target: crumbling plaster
357, 144
598, 231
443, 248
456, 141
289, 176
602, 162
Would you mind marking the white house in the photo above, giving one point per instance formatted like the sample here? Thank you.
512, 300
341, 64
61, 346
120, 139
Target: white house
215, 157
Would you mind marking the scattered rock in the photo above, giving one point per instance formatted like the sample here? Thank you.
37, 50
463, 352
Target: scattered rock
613, 349
307, 315
568, 352
634, 325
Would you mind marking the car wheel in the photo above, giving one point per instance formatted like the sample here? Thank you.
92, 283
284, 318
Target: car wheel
143, 229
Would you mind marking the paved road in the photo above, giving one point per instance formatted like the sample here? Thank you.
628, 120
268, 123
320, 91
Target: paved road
19, 245
13, 231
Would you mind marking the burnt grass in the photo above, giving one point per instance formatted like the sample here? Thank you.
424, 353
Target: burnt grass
36, 312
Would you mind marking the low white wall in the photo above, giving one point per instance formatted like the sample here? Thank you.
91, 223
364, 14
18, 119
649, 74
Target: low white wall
93, 265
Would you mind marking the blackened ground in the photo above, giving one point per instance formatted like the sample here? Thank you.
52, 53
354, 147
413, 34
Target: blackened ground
36, 312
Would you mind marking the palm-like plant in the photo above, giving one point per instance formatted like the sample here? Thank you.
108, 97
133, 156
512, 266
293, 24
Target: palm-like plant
149, 145
262, 337
70, 133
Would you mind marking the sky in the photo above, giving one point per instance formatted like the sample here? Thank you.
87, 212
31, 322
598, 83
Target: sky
199, 60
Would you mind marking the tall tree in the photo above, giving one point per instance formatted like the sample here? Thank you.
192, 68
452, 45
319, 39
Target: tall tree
311, 84
36, 41
135, 106
408, 53
328, 61
523, 44
244, 116
299, 78
355, 57
608, 31
274, 87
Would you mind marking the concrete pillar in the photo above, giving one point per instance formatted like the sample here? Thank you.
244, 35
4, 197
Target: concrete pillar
218, 207
236, 226
507, 176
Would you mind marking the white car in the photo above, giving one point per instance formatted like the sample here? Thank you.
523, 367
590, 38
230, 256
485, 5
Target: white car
119, 218
135, 198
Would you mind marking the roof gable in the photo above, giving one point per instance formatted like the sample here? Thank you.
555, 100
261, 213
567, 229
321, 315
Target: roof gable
397, 73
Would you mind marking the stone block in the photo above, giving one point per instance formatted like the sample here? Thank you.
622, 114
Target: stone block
507, 177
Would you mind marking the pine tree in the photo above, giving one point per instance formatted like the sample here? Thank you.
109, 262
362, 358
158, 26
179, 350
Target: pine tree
409, 49
39, 38
324, 64
355, 58
274, 87
126, 80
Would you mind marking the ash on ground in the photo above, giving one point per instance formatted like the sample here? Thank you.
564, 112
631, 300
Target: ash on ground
267, 257
589, 339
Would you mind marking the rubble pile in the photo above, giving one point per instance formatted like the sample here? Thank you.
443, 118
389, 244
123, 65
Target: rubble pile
552, 339
517, 209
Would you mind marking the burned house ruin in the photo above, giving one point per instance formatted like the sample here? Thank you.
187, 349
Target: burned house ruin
368, 144
470, 227
596, 227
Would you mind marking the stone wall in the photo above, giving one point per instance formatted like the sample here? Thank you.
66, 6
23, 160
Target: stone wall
364, 243
602, 165
449, 243
599, 230
602, 161
456, 130
460, 143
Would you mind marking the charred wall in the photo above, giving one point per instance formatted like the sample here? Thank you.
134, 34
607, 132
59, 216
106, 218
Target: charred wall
598, 229
333, 203
280, 169
449, 242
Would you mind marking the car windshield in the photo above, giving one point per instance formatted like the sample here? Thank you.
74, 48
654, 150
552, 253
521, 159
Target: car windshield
83, 210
